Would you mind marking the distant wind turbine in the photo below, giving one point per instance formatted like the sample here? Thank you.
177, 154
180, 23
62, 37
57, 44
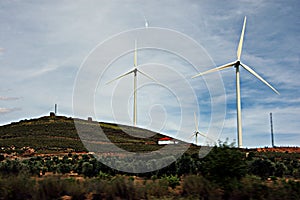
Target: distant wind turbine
237, 65
146, 22
135, 71
197, 132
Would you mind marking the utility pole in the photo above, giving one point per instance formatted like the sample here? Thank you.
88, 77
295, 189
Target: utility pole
272, 135
55, 109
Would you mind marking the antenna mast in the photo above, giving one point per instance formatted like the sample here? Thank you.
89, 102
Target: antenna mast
272, 135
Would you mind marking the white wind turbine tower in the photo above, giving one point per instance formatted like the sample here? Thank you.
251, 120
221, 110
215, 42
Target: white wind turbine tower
237, 65
135, 71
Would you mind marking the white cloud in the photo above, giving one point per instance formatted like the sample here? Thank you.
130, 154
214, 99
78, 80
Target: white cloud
4, 98
8, 110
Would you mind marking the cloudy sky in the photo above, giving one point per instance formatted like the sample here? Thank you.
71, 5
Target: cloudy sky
50, 49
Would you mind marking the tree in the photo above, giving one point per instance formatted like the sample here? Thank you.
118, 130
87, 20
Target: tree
262, 167
63, 168
2, 157
280, 169
224, 164
87, 169
185, 165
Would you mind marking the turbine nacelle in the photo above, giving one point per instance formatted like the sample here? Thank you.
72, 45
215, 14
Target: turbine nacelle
237, 64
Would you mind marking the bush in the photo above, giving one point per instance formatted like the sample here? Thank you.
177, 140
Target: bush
122, 187
262, 167
74, 188
49, 188
280, 169
158, 189
104, 176
173, 180
186, 165
87, 169
250, 187
16, 187
224, 164
200, 188
64, 168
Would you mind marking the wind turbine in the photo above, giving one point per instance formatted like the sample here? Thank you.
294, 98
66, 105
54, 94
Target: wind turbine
197, 132
135, 71
146, 22
237, 65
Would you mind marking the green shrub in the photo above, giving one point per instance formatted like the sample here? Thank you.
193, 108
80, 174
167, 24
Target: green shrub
250, 187
74, 188
122, 187
198, 187
17, 187
280, 169
87, 169
157, 189
104, 176
224, 164
64, 168
173, 180
262, 167
50, 188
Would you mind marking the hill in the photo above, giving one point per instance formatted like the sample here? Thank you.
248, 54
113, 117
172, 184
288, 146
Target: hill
54, 134
58, 134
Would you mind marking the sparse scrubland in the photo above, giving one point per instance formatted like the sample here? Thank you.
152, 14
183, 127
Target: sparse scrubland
225, 173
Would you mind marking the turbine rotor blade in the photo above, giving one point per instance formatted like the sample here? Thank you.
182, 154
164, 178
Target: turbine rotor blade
135, 55
216, 69
205, 135
196, 122
259, 77
192, 136
143, 73
120, 77
239, 50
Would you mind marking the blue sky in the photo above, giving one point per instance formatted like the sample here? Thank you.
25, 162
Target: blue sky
45, 44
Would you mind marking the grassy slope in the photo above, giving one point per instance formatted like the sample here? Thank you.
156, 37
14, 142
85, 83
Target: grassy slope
57, 134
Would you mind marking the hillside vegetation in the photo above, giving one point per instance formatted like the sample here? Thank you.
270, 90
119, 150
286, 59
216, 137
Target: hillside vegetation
52, 134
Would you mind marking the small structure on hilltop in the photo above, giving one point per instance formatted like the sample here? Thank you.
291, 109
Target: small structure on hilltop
167, 140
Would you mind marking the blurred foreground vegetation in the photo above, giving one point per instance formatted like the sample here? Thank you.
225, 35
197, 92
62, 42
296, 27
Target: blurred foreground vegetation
225, 173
